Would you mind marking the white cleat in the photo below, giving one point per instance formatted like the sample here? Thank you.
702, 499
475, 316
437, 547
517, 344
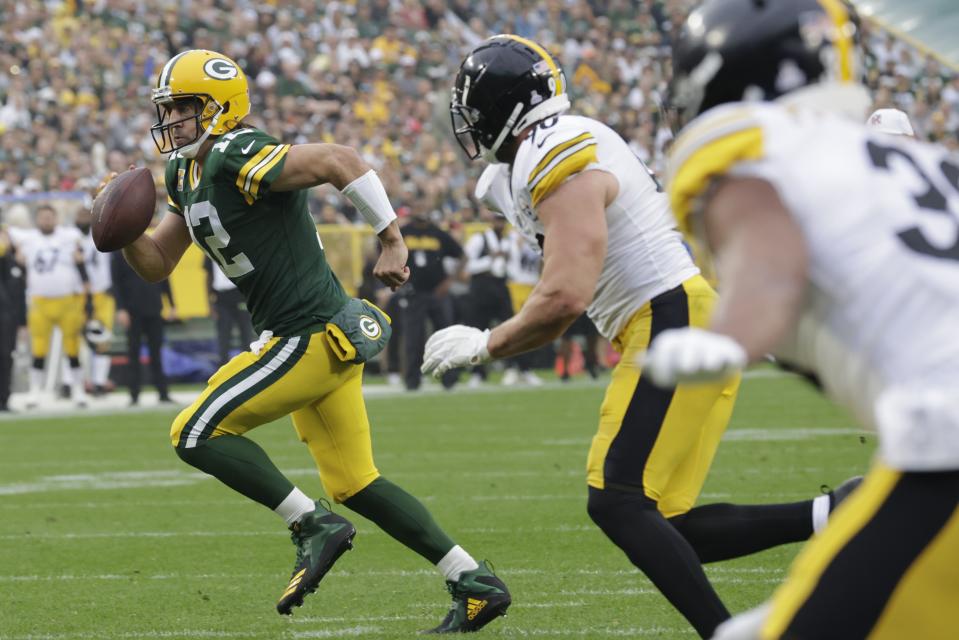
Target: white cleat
475, 381
532, 379
510, 377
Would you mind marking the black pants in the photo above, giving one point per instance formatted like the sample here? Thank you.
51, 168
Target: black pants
8, 338
396, 310
420, 308
152, 327
231, 312
490, 301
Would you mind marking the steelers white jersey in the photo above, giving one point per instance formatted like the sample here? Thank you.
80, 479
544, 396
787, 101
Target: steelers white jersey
645, 255
97, 265
49, 261
880, 219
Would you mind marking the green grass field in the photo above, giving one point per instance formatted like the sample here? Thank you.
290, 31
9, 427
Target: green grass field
104, 533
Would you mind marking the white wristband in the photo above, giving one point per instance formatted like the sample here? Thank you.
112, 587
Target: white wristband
368, 195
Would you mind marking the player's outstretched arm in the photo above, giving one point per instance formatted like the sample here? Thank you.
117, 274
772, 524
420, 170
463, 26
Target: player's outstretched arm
574, 217
153, 256
309, 165
761, 259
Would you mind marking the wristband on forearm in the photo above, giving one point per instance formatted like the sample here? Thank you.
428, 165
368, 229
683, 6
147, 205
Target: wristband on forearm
369, 197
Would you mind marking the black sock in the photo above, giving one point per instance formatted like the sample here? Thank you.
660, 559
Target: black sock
242, 465
723, 531
402, 516
657, 549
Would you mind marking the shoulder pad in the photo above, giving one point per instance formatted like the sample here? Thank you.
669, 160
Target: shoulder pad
710, 147
553, 153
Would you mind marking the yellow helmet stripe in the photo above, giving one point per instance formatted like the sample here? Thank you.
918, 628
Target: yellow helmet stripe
844, 43
164, 78
557, 75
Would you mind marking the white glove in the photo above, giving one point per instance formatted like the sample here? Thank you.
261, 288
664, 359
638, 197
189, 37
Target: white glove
454, 347
691, 355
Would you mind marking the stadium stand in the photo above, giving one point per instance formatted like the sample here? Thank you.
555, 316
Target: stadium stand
75, 78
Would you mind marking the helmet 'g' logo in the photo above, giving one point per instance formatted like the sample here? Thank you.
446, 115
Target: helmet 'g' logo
220, 69
370, 327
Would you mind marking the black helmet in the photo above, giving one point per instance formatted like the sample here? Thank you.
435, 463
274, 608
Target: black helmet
733, 50
504, 85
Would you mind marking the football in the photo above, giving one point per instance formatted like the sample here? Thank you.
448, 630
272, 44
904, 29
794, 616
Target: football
123, 209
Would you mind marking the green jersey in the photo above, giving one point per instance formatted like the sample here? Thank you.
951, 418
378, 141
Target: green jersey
266, 243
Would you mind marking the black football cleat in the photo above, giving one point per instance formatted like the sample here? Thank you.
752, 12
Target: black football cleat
479, 597
840, 493
321, 537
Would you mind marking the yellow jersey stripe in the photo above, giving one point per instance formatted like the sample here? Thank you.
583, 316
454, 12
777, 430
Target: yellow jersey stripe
844, 44
571, 165
560, 88
268, 163
171, 204
555, 151
713, 159
241, 177
818, 554
194, 174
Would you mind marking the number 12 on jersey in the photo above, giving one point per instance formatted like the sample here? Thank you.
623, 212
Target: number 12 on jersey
233, 267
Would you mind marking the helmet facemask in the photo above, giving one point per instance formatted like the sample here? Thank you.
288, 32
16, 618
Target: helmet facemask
504, 86
207, 112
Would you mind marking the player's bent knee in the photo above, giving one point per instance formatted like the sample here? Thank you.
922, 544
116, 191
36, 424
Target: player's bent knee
607, 507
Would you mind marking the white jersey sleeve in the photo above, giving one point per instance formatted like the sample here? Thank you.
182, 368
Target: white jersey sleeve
50, 263
645, 255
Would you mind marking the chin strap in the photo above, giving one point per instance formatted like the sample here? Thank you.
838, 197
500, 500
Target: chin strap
190, 150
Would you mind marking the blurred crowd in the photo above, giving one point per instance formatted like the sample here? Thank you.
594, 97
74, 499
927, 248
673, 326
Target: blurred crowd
75, 81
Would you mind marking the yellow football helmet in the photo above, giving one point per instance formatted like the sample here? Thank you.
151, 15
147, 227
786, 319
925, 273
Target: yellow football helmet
215, 81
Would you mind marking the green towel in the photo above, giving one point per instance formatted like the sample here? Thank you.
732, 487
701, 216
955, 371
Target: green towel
358, 331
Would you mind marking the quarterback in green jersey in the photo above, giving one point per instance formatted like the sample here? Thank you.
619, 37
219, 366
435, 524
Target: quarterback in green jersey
240, 195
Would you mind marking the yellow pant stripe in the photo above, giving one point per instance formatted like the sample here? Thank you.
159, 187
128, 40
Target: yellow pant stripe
816, 556
672, 453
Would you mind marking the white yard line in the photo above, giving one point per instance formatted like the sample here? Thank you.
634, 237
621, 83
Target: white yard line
728, 574
118, 402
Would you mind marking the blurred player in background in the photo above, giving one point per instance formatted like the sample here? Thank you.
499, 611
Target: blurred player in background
101, 310
435, 259
610, 248
837, 247
241, 196
524, 263
57, 283
229, 311
486, 255
8, 325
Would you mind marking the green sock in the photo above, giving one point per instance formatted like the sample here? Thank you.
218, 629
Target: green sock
402, 516
242, 465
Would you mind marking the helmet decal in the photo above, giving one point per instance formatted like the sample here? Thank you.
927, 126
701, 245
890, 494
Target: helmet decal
221, 69
558, 85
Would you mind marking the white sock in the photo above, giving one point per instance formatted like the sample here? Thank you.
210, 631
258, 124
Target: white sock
820, 513
456, 562
100, 369
76, 384
67, 373
295, 506
36, 380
